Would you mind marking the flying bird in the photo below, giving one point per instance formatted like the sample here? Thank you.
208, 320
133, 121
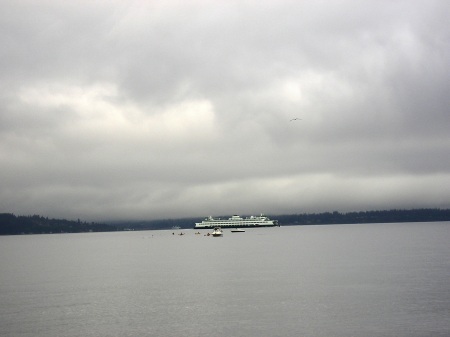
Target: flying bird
295, 119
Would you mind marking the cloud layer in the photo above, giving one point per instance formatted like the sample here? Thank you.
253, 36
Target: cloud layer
144, 110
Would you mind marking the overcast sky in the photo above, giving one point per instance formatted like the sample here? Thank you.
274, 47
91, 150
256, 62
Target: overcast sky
166, 109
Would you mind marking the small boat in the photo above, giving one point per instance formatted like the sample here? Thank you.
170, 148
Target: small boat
237, 230
217, 232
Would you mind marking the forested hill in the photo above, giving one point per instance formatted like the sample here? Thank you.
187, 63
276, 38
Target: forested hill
35, 224
413, 215
11, 224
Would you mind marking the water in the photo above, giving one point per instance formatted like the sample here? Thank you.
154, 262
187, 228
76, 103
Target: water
340, 280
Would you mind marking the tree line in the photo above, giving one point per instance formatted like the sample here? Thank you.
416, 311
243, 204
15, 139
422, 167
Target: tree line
11, 224
384, 216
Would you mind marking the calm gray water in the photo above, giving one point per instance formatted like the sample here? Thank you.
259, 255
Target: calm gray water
341, 280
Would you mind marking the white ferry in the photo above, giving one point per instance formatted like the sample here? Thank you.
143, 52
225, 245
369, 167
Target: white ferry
237, 222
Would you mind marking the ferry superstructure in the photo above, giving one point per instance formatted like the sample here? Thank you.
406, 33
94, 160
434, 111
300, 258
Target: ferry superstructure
237, 222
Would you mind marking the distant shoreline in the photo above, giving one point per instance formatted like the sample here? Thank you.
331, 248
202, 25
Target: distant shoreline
11, 224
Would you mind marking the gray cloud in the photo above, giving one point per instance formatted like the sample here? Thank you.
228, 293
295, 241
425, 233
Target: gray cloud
121, 110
